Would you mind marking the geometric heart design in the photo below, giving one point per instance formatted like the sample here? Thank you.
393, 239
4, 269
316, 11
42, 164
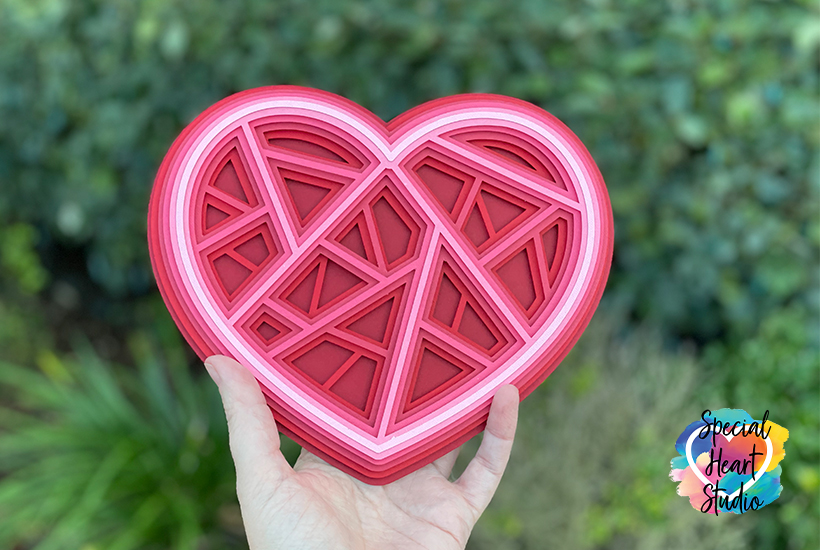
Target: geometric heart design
380, 281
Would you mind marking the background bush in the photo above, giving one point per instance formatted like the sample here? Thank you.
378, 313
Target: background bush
701, 114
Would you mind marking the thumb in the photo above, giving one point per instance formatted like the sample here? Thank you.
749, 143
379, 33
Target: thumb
254, 438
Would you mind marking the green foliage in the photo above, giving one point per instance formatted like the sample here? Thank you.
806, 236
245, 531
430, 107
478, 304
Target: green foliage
19, 261
96, 456
702, 115
22, 276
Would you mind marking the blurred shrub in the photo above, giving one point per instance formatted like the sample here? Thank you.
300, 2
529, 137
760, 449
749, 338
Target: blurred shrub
95, 456
700, 113
22, 276
19, 262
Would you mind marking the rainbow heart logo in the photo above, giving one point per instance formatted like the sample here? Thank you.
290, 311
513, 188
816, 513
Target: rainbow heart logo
728, 462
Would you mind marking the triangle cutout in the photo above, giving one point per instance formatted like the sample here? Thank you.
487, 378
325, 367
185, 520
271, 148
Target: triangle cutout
356, 385
501, 212
354, 242
215, 212
308, 194
373, 326
356, 238
475, 229
434, 372
521, 277
444, 182
214, 216
337, 282
375, 323
305, 196
230, 179
227, 180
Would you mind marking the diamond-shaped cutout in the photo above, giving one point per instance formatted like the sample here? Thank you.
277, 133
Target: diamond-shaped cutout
266, 328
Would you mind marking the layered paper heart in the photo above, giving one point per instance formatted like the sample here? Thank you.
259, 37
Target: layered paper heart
381, 281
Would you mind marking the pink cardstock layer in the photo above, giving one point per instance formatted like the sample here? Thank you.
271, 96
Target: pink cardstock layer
380, 281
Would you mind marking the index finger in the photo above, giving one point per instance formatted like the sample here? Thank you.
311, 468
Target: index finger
254, 438
480, 480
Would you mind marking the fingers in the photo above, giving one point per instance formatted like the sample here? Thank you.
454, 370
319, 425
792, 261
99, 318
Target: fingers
444, 465
480, 480
253, 435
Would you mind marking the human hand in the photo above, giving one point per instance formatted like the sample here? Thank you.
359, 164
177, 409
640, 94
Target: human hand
316, 506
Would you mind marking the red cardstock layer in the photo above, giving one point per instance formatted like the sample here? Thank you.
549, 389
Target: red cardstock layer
380, 281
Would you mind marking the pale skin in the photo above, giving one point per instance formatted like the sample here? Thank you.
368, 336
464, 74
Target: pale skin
316, 506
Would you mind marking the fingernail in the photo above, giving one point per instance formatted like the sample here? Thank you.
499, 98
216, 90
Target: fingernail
213, 372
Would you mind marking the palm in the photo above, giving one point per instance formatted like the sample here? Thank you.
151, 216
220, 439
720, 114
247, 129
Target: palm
420, 510
314, 505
